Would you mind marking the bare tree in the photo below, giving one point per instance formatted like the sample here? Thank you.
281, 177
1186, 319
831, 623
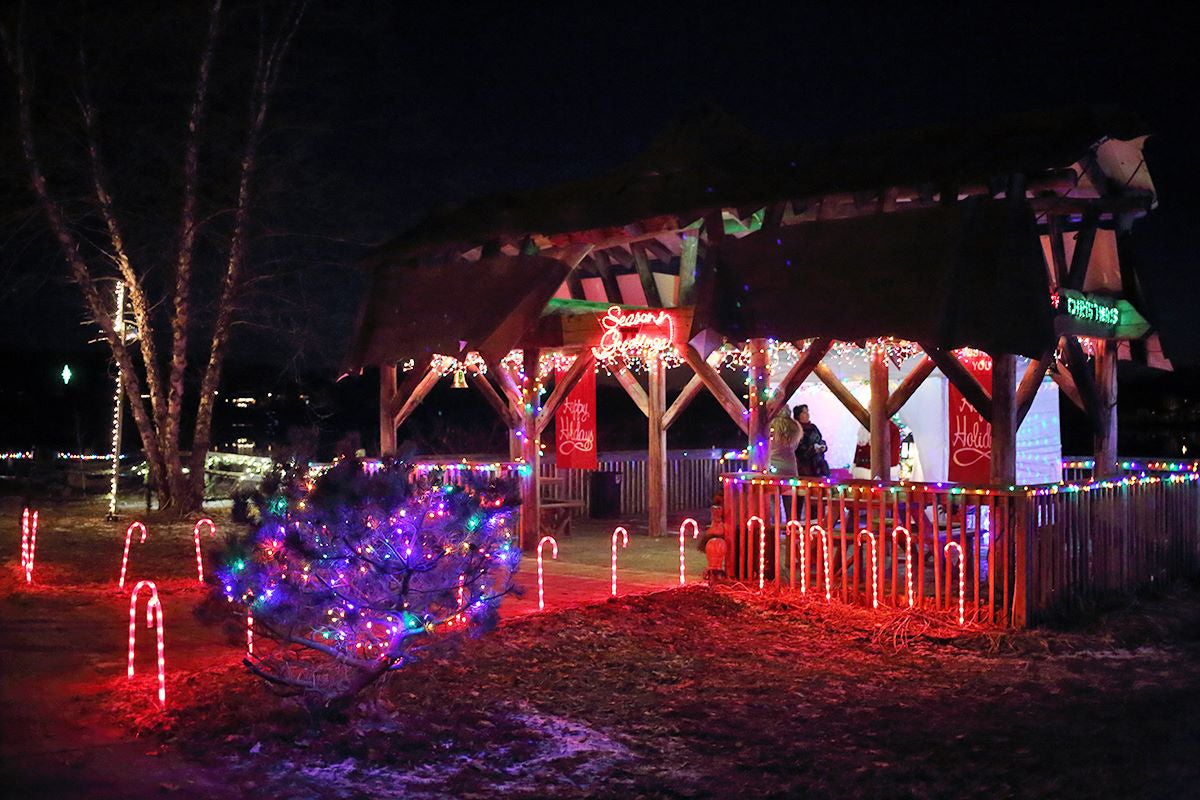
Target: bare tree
155, 384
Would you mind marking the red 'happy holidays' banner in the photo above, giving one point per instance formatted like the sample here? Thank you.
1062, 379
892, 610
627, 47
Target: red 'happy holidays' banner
575, 425
970, 432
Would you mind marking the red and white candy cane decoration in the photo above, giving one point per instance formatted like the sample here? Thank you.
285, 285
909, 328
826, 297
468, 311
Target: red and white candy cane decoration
249, 632
817, 530
762, 547
695, 532
907, 562
794, 527
553, 554
624, 543
125, 555
153, 613
28, 542
212, 531
961, 580
874, 567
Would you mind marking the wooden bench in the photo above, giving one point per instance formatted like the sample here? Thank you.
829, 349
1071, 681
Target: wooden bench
556, 515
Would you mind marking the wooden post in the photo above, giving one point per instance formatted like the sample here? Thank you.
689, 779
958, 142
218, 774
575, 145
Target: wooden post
1004, 419
1106, 384
530, 454
656, 463
881, 434
759, 432
387, 393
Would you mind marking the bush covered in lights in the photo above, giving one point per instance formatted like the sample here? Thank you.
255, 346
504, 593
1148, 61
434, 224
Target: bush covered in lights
359, 572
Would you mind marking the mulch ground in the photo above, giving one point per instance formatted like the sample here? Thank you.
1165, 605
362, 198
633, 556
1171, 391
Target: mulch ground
692, 692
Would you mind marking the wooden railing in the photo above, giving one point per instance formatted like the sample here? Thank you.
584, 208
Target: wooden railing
693, 476
1025, 553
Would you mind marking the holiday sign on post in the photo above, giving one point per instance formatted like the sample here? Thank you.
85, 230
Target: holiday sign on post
575, 425
970, 432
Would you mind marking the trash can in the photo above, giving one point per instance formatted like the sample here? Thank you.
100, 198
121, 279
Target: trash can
604, 495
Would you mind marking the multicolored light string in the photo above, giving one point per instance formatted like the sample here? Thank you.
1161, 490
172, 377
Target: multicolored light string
695, 532
125, 555
624, 543
29, 526
153, 614
553, 554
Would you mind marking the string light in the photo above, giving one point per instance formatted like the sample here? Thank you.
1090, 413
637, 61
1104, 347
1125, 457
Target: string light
817, 530
212, 531
153, 614
794, 527
962, 594
29, 526
908, 564
624, 543
762, 548
553, 554
118, 401
125, 555
695, 532
874, 567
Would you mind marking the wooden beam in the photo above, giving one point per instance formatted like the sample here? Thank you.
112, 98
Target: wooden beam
634, 389
611, 290
912, 381
844, 396
691, 390
413, 399
881, 431
1085, 383
1004, 419
387, 393
758, 434
718, 387
1105, 450
689, 251
1058, 250
562, 386
963, 380
506, 412
1031, 381
508, 384
797, 374
1084, 240
572, 256
530, 483
1066, 384
646, 276
656, 450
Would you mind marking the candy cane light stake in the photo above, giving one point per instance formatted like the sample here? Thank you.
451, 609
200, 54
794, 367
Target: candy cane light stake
624, 543
907, 561
794, 527
817, 530
695, 532
28, 542
553, 554
153, 614
125, 555
249, 632
212, 531
961, 580
874, 568
762, 547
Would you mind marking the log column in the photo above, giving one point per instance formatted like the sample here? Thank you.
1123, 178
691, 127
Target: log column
656, 464
1004, 419
530, 453
881, 431
387, 425
759, 382
1105, 450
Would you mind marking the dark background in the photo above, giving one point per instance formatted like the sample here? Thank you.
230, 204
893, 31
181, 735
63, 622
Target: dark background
388, 110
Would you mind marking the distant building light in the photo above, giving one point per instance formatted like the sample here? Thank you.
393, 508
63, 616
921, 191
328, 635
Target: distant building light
242, 402
66, 374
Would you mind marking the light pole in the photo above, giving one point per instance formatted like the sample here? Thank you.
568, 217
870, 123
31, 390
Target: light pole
118, 406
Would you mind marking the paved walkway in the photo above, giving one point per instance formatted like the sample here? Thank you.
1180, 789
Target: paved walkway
583, 571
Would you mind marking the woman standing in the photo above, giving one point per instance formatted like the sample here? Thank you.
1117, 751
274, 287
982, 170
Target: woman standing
785, 435
810, 455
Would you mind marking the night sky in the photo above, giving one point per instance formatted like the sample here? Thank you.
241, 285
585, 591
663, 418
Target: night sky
387, 112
